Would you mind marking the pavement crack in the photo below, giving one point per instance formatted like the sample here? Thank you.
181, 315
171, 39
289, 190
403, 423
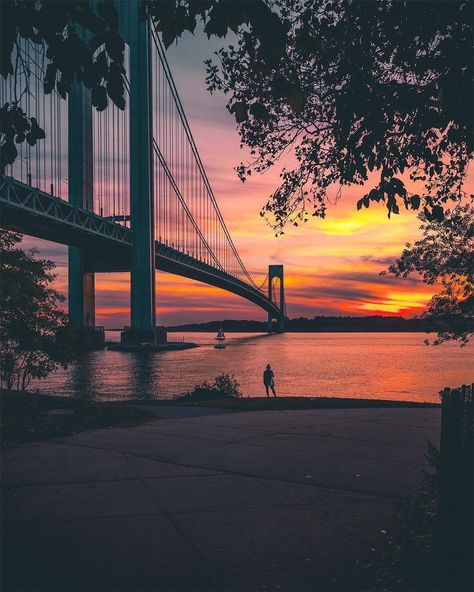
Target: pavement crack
246, 474
169, 515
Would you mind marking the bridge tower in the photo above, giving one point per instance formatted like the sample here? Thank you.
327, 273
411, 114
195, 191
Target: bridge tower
81, 283
276, 272
142, 289
81, 168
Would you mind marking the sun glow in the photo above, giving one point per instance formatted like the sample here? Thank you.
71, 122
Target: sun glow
399, 302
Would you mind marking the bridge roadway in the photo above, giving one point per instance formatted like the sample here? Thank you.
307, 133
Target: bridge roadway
107, 245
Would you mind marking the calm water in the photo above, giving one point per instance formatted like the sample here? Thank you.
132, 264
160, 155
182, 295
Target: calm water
369, 365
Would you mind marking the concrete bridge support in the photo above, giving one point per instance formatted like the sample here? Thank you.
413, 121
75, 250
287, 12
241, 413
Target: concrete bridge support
143, 322
276, 271
81, 153
81, 284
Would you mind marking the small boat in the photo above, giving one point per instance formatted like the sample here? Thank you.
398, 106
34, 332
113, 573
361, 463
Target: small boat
220, 337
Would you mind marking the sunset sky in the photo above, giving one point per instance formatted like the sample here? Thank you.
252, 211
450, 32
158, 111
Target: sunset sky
331, 266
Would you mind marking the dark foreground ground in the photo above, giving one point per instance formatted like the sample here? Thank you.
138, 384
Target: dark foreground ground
206, 499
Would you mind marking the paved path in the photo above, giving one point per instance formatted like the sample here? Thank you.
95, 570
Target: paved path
274, 500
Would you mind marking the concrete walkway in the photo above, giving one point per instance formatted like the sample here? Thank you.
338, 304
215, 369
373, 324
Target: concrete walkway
273, 500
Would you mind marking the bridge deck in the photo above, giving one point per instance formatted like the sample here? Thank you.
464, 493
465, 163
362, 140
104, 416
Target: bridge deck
107, 245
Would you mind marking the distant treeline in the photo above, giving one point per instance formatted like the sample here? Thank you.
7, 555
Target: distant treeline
316, 325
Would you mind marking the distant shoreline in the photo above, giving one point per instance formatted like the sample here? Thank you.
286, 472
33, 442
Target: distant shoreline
365, 324
186, 330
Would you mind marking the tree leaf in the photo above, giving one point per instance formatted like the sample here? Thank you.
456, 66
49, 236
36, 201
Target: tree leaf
415, 202
99, 97
296, 100
240, 112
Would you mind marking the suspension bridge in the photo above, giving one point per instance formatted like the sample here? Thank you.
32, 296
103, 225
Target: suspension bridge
126, 190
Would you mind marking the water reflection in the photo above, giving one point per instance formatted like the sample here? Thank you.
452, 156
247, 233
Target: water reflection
111, 375
375, 365
83, 379
145, 372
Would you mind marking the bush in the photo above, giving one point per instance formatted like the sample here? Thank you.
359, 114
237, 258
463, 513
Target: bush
227, 386
223, 387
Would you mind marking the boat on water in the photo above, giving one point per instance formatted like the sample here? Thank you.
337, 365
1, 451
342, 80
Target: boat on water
220, 337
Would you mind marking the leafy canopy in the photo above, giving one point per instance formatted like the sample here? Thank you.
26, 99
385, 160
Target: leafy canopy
354, 90
82, 43
377, 92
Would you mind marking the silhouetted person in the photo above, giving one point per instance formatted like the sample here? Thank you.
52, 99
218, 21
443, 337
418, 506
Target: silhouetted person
269, 380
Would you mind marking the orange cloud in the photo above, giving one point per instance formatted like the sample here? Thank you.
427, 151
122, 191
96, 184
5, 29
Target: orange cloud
399, 303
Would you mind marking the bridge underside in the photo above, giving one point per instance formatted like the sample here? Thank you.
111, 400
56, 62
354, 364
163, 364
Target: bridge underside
106, 246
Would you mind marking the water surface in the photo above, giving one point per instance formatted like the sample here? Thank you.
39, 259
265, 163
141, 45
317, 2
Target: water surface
367, 365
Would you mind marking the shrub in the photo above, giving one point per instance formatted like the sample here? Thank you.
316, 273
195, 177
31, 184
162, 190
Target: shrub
227, 386
224, 387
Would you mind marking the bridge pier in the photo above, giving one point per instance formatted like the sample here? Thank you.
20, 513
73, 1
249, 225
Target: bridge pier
278, 327
276, 271
81, 293
81, 296
142, 289
81, 284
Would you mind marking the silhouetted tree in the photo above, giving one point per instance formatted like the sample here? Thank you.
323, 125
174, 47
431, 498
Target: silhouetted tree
30, 317
363, 90
445, 253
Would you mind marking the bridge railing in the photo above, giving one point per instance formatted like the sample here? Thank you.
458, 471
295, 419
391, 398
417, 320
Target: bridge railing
23, 198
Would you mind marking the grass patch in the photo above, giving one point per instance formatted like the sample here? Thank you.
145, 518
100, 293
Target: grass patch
27, 417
